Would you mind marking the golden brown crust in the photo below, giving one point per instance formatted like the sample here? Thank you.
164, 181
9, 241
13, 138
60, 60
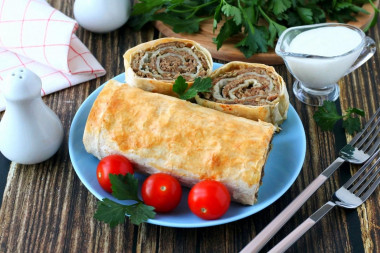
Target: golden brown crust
151, 84
274, 112
159, 133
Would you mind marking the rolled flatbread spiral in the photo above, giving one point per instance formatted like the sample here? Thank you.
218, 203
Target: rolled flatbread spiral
249, 90
155, 65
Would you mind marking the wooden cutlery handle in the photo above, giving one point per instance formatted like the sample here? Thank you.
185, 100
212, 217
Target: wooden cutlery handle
303, 228
293, 236
269, 231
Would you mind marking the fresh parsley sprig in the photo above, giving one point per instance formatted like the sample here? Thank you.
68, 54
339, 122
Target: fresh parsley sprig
326, 117
245, 17
199, 85
113, 213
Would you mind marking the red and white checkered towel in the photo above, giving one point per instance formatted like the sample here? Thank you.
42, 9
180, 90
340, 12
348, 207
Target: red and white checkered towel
38, 37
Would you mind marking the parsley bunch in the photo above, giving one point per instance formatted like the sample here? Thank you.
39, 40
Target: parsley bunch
327, 116
259, 21
113, 213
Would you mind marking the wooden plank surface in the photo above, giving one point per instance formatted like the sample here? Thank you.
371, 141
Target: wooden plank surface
46, 208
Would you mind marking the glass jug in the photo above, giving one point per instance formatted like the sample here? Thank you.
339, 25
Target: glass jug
317, 75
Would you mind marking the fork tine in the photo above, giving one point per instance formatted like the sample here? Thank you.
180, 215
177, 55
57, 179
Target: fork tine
370, 190
368, 181
358, 135
369, 133
375, 146
360, 171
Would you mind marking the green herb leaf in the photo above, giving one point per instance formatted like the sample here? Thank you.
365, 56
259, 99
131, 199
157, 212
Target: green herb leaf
145, 6
199, 85
275, 31
124, 187
254, 42
110, 212
306, 15
217, 16
327, 116
113, 213
140, 213
232, 11
179, 23
279, 6
351, 125
228, 29
355, 111
180, 85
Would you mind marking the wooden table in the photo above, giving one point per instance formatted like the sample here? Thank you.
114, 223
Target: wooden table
46, 208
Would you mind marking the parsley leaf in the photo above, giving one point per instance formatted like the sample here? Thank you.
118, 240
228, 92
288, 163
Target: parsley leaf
326, 116
180, 85
351, 124
232, 11
306, 15
124, 187
217, 16
110, 212
179, 23
140, 213
113, 213
228, 29
279, 6
275, 31
199, 85
255, 42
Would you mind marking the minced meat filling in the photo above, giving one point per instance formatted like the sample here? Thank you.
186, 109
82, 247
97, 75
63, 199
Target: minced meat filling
252, 86
169, 60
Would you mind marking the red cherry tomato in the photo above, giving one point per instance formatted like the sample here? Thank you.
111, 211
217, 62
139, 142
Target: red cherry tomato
209, 199
112, 164
162, 191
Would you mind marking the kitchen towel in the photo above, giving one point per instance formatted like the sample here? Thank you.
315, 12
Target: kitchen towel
36, 36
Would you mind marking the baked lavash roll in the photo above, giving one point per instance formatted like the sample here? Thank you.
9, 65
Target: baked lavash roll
155, 65
159, 133
250, 90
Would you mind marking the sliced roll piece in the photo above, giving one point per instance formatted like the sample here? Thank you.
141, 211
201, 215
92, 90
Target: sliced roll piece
250, 90
155, 65
160, 133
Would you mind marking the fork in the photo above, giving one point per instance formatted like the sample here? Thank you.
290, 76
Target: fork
350, 195
357, 151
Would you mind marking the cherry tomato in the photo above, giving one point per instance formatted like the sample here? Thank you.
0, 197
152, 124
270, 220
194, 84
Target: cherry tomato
209, 199
112, 164
162, 191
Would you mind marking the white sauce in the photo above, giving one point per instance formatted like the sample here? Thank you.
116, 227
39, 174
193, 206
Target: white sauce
325, 41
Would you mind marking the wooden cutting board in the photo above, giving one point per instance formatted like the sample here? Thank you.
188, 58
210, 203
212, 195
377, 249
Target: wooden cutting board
228, 52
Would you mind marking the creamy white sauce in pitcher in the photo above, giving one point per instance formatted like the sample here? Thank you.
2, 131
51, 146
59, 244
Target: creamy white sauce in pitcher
325, 41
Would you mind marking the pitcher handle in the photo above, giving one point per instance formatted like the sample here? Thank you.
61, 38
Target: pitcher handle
368, 51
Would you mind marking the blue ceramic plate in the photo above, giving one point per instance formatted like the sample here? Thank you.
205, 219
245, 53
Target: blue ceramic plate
282, 168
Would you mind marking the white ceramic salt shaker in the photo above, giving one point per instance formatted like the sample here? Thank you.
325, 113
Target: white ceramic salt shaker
101, 16
30, 132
